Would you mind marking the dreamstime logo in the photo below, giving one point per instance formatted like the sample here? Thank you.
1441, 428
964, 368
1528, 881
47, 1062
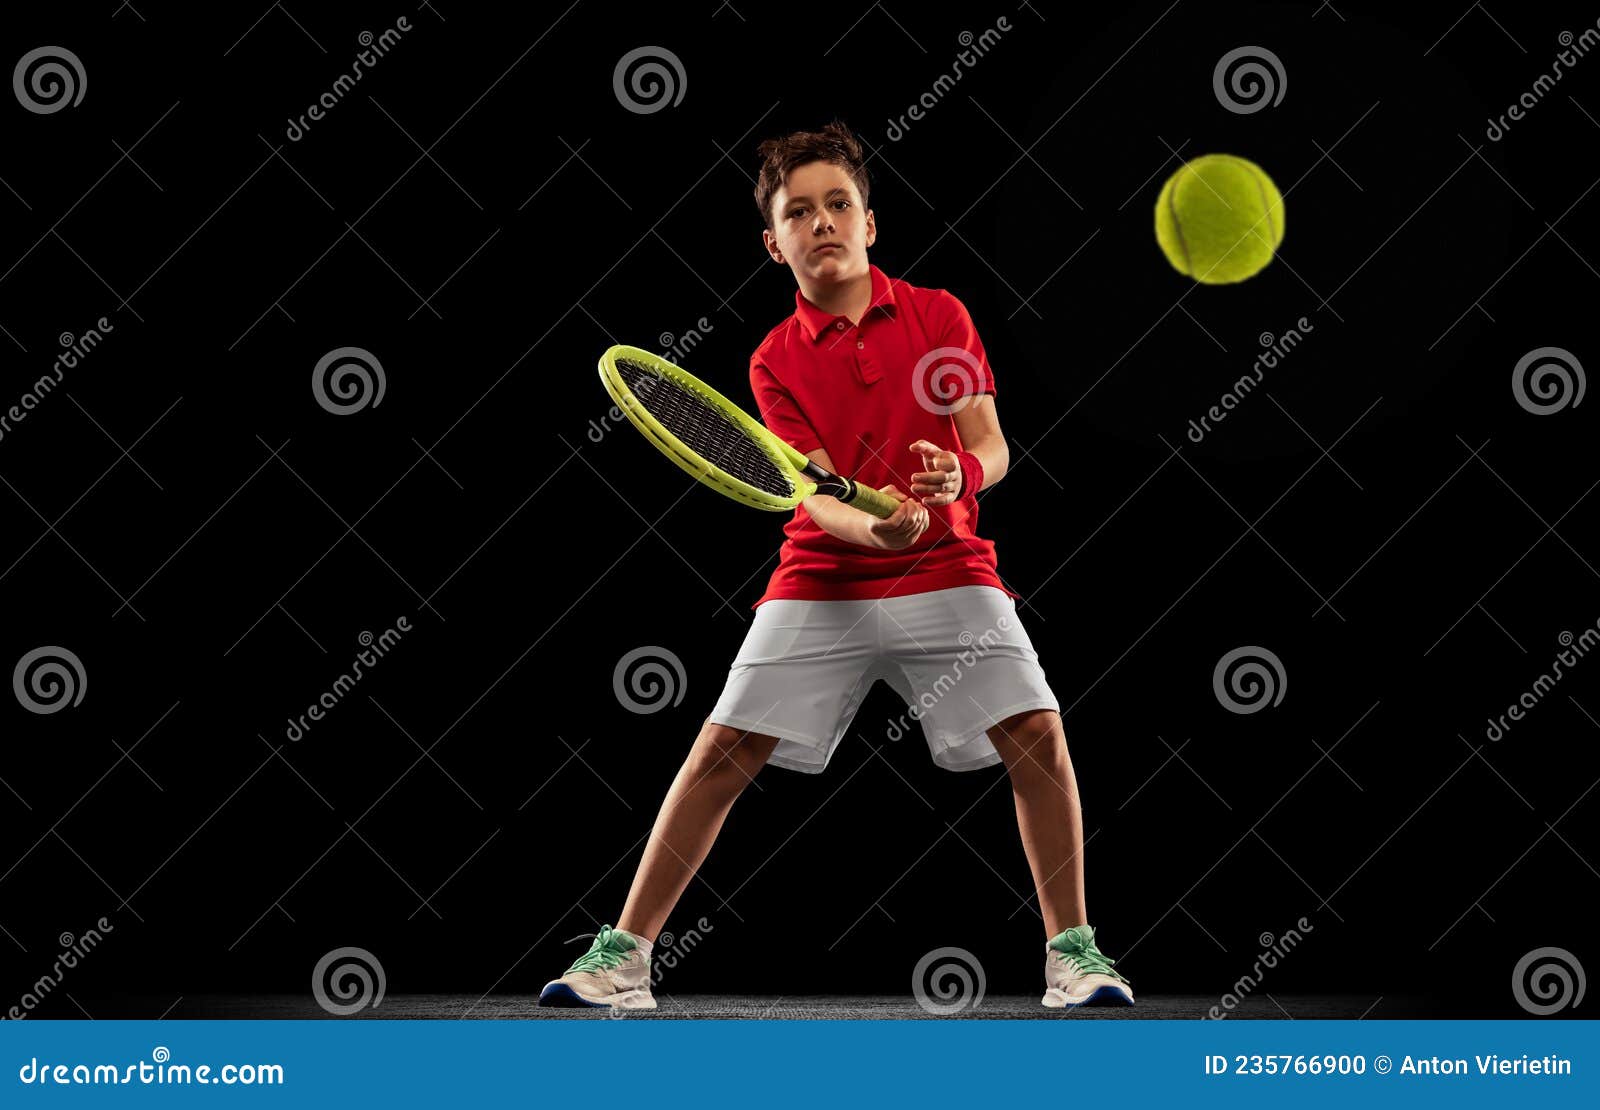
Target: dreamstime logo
348, 980
49, 79
649, 79
1273, 950
975, 47
374, 47
1579, 646
1552, 976
670, 949
973, 648
1554, 378
48, 679
157, 1071
1275, 348
348, 380
675, 348
945, 379
374, 648
74, 348
649, 679
642, 389
947, 981
73, 950
1251, 72
1574, 48
1253, 674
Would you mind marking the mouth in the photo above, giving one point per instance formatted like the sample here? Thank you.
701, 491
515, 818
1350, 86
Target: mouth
827, 248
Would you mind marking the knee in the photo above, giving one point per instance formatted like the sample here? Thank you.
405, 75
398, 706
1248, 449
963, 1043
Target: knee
724, 750
1031, 739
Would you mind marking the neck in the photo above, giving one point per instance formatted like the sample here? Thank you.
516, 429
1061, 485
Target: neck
850, 298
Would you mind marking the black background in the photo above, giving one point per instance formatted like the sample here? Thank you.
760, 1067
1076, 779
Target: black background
1389, 472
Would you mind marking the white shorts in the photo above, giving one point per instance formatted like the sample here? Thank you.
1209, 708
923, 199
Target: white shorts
958, 657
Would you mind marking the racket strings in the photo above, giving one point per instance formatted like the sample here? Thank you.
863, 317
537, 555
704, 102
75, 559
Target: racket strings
704, 429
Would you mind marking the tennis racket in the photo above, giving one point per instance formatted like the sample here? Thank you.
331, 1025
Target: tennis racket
717, 442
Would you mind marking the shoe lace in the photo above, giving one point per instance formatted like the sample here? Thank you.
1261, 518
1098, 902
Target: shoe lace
606, 952
1091, 961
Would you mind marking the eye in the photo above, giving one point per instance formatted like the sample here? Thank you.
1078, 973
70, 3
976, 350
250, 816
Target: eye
841, 204
796, 213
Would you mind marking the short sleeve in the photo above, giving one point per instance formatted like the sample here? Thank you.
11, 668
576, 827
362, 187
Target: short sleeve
776, 408
955, 329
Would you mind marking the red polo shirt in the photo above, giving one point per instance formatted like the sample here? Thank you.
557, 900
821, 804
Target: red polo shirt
865, 393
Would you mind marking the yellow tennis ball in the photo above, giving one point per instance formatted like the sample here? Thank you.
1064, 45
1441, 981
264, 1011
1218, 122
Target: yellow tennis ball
1219, 218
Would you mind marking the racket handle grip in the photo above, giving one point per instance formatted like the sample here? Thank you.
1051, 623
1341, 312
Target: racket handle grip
869, 500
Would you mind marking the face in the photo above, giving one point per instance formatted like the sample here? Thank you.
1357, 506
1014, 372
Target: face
820, 229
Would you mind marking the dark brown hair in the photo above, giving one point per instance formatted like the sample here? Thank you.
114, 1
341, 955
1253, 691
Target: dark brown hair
781, 157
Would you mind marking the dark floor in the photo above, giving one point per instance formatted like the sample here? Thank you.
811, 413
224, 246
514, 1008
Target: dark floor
804, 1008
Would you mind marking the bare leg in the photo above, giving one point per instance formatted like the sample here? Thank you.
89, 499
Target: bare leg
1033, 747
721, 763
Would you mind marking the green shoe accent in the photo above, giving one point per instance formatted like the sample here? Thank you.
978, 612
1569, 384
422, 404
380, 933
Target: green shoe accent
1077, 943
608, 950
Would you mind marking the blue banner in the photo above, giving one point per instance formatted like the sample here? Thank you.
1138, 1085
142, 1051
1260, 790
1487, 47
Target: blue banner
963, 1063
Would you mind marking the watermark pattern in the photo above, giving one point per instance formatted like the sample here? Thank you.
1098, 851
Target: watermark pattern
49, 679
1547, 380
974, 47
649, 679
614, 416
374, 649
1249, 679
1547, 980
73, 949
347, 981
48, 79
75, 348
347, 380
974, 648
676, 348
373, 48
947, 981
1275, 349
1579, 645
1574, 48
1274, 949
945, 379
648, 79
1248, 79
995, 193
670, 949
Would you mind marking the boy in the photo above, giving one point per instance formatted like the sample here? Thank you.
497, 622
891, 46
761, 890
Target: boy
855, 598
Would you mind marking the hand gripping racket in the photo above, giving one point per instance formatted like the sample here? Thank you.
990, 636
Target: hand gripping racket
717, 442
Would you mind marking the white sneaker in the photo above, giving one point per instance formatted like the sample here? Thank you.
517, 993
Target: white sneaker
1076, 973
614, 972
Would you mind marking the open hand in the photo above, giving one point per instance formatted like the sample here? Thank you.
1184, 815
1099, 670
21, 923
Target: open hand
939, 480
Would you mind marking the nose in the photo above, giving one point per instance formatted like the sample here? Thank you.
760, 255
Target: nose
823, 224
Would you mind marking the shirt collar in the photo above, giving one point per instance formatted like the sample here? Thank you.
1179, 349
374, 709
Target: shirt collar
815, 321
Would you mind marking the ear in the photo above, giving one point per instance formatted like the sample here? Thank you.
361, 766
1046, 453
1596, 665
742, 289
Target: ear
770, 241
872, 228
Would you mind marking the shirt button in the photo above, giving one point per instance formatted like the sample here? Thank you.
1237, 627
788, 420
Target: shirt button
840, 325
859, 344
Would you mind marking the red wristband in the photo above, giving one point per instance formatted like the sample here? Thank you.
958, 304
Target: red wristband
971, 474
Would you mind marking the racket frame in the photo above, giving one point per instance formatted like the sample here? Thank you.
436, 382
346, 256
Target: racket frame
807, 476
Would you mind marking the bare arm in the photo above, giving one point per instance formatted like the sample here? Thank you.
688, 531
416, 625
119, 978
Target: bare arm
850, 524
